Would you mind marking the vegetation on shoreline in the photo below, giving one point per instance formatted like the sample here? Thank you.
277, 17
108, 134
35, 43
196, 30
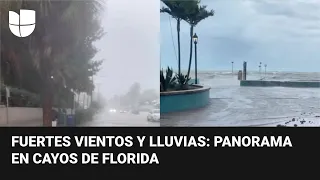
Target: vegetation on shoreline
134, 98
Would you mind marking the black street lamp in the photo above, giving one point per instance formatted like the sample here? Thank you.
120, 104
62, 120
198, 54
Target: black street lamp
260, 71
260, 68
195, 40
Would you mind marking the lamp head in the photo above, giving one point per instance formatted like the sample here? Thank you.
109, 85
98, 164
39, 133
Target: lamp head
195, 38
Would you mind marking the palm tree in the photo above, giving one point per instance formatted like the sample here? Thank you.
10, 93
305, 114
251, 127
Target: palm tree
64, 30
199, 14
178, 10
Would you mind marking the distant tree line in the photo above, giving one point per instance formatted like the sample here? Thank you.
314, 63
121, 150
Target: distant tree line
134, 97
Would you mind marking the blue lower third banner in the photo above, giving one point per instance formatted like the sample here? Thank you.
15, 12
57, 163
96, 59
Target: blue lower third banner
151, 152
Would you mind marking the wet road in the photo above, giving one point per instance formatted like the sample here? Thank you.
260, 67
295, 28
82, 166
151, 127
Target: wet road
107, 119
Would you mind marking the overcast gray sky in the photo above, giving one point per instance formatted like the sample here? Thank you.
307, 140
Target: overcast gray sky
131, 47
285, 34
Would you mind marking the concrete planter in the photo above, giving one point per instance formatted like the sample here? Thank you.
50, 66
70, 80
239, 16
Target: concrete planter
182, 100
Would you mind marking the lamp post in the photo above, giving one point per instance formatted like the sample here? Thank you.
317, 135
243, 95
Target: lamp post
265, 70
232, 66
260, 70
260, 67
195, 40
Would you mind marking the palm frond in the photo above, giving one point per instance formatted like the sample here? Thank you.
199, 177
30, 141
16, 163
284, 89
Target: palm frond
166, 10
178, 9
200, 13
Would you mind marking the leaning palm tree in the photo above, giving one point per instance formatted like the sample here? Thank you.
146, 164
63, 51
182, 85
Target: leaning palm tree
178, 9
199, 14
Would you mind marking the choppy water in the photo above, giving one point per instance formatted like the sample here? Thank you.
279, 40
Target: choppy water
283, 76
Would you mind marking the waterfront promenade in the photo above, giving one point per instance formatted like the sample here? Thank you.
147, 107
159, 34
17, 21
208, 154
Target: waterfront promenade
232, 105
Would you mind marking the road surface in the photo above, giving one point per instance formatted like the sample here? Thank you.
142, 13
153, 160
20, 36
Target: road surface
107, 119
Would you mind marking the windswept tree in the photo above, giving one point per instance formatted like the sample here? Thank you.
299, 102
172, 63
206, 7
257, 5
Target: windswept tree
59, 51
197, 15
178, 9
149, 95
134, 93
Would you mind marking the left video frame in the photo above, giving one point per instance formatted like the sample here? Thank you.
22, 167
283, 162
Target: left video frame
79, 63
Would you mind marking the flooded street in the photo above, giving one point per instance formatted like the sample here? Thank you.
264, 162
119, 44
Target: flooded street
111, 119
233, 105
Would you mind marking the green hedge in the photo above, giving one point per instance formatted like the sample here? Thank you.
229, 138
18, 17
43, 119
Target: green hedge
85, 115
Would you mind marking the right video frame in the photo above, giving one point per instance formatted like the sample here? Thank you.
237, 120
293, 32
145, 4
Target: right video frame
239, 63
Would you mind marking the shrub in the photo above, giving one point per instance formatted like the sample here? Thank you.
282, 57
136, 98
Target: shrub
183, 81
85, 115
167, 81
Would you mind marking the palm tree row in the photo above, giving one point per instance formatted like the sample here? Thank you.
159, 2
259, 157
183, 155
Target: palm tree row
191, 12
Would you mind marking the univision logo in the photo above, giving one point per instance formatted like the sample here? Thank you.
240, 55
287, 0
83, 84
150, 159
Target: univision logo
24, 24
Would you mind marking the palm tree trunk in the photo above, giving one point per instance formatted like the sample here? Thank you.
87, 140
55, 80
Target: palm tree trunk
179, 51
191, 43
47, 103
